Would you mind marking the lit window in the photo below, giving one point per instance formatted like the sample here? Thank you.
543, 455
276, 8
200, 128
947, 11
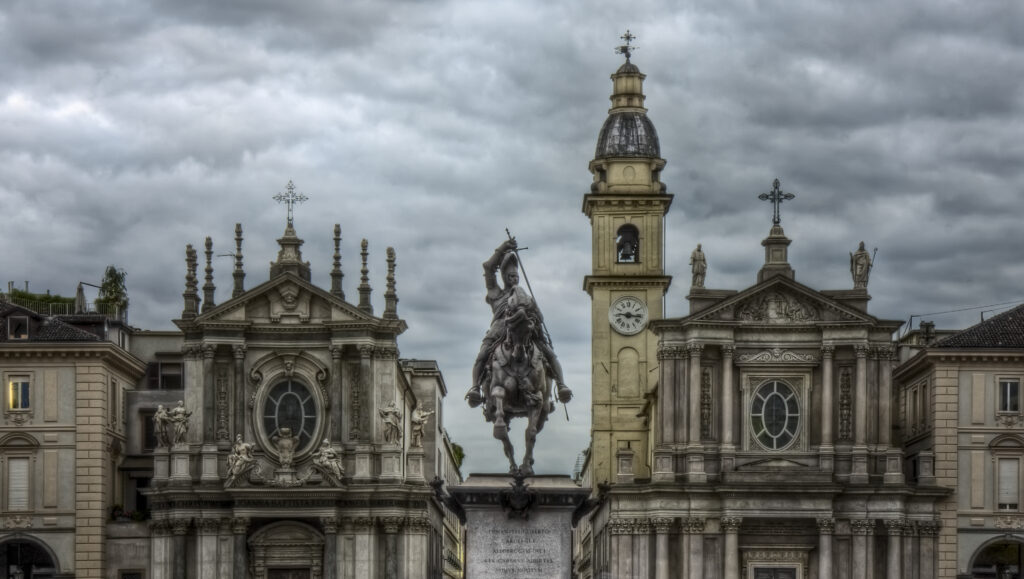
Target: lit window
1009, 395
18, 393
775, 415
1009, 484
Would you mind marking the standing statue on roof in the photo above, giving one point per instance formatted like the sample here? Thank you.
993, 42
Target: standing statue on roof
516, 365
860, 267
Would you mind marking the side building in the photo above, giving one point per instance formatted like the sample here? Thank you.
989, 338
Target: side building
752, 437
962, 427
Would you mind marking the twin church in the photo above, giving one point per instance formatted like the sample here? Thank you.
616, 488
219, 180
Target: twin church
773, 432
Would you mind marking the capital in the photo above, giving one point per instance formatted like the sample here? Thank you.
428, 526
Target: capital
335, 351
695, 350
861, 350
827, 350
662, 525
728, 350
239, 525
208, 351
826, 525
731, 524
239, 351
329, 524
894, 526
180, 526
365, 350
392, 524
862, 526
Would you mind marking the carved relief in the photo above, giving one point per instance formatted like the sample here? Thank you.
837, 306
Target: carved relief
776, 308
775, 355
18, 522
222, 403
845, 406
1001, 522
290, 300
705, 404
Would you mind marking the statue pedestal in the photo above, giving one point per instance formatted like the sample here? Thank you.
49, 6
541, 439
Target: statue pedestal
180, 473
414, 464
519, 531
161, 466
391, 463
286, 477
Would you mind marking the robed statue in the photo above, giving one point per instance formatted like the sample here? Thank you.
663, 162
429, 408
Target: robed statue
699, 266
516, 366
860, 267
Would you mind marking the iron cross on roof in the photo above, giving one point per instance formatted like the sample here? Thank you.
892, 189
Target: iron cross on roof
626, 49
290, 199
776, 196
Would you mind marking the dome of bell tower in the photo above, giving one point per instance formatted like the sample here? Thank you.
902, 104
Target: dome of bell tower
627, 132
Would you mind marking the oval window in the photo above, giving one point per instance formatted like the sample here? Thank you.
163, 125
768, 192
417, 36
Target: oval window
774, 415
290, 404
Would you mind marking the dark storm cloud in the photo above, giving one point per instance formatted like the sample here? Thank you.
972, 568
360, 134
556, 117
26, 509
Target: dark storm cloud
128, 129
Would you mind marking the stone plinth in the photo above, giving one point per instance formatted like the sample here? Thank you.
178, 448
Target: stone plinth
519, 531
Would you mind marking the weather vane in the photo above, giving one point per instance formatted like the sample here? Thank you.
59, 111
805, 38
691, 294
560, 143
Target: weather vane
776, 197
626, 49
290, 199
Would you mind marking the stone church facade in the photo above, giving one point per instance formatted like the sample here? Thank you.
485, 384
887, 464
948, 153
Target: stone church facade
752, 437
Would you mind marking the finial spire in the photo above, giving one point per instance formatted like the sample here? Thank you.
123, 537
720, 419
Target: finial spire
239, 273
627, 48
336, 275
191, 294
364, 281
390, 297
208, 287
290, 199
776, 196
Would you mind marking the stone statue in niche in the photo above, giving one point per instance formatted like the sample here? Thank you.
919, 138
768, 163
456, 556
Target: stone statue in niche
177, 418
699, 267
241, 462
327, 461
419, 420
286, 443
392, 418
161, 424
860, 267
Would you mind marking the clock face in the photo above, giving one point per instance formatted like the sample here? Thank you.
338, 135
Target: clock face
628, 315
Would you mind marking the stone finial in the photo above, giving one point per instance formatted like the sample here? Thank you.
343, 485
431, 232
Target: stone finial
336, 275
239, 273
364, 281
191, 294
208, 287
390, 297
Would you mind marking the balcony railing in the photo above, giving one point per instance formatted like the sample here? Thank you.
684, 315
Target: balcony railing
65, 308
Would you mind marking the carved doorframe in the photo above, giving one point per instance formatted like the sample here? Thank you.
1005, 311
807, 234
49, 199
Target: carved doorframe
287, 544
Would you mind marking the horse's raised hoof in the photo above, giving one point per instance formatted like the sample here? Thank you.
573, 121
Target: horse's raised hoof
564, 393
475, 397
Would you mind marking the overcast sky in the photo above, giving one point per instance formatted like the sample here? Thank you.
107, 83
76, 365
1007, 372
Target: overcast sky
130, 128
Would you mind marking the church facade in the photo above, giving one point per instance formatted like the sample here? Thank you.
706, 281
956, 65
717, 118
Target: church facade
751, 438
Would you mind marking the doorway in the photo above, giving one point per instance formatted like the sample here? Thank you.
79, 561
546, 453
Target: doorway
278, 573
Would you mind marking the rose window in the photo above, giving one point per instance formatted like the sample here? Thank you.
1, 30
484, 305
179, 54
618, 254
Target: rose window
290, 404
775, 415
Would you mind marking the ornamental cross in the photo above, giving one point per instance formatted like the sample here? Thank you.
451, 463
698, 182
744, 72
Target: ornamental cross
626, 49
290, 199
776, 197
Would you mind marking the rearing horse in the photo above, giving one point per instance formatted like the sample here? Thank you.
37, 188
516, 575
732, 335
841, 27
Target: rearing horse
519, 384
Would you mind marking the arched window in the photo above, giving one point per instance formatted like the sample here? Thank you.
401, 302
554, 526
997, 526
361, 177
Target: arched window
775, 415
627, 244
290, 404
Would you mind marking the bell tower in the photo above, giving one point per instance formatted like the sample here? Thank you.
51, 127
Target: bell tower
626, 206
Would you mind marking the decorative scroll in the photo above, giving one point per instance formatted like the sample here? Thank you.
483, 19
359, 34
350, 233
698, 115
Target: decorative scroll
845, 406
776, 355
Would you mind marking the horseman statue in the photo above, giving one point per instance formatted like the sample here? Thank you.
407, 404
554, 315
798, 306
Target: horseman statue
514, 371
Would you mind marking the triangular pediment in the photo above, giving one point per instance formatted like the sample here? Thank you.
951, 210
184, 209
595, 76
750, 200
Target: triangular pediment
285, 299
782, 301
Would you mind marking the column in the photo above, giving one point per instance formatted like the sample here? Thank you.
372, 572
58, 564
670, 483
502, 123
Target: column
695, 451
826, 526
860, 420
179, 528
392, 557
361, 429
728, 410
209, 398
910, 550
330, 527
662, 527
731, 528
664, 459
240, 530
334, 394
159, 562
928, 557
207, 530
894, 557
695, 528
827, 451
893, 455
240, 402
861, 528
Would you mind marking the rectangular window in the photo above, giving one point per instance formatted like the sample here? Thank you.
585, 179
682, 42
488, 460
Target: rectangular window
17, 484
17, 328
112, 402
1009, 395
148, 430
18, 390
1009, 484
912, 419
164, 376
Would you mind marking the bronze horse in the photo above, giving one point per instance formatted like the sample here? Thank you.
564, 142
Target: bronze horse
519, 384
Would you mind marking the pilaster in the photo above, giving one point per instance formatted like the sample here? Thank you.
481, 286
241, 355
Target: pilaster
694, 449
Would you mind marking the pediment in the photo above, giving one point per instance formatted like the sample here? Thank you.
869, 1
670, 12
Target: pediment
780, 301
286, 300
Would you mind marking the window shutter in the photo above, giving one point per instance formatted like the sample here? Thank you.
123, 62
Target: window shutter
1009, 483
17, 484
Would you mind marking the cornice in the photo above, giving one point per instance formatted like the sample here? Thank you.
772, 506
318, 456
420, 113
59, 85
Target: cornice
113, 354
625, 282
934, 356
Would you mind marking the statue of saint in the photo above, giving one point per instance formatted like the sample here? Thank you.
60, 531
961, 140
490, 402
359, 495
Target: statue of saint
178, 417
161, 420
240, 461
860, 267
419, 420
286, 444
699, 266
326, 460
504, 259
392, 417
